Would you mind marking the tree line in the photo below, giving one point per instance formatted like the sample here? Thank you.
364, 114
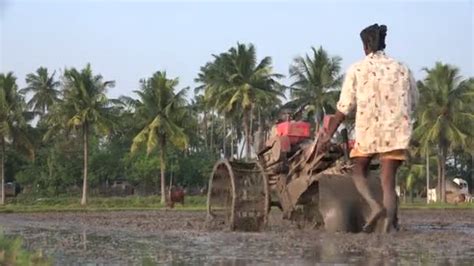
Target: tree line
70, 134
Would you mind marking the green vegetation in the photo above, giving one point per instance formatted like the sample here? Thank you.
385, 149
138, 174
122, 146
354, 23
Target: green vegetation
81, 141
234, 83
192, 203
437, 205
446, 116
12, 123
12, 253
317, 79
160, 111
60, 204
445, 119
84, 108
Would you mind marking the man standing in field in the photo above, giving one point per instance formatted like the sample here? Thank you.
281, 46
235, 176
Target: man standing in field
383, 92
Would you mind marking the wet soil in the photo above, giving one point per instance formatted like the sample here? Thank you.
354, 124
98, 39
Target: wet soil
180, 237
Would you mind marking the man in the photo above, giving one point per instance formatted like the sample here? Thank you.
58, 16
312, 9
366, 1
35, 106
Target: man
383, 91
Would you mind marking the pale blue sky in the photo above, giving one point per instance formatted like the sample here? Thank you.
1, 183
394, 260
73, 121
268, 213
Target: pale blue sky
129, 40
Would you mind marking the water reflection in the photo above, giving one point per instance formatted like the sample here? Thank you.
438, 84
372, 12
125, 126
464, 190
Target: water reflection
84, 239
85, 246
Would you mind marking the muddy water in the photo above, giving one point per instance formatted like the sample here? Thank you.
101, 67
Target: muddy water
177, 238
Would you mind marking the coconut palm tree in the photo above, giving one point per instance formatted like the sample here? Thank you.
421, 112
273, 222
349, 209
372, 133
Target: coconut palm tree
44, 89
266, 111
316, 82
234, 81
12, 123
200, 107
84, 109
208, 78
445, 118
159, 110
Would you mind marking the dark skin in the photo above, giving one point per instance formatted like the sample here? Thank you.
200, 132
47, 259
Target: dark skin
389, 169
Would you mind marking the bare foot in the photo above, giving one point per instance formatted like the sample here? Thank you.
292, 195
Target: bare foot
376, 213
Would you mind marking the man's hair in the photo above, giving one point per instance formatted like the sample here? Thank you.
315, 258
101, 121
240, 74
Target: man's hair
373, 37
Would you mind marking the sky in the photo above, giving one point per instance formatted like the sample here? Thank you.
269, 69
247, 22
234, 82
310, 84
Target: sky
129, 40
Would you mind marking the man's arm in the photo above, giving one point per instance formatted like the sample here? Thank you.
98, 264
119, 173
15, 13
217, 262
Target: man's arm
345, 105
347, 101
335, 122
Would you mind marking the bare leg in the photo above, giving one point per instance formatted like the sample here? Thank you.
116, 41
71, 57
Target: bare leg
389, 170
362, 185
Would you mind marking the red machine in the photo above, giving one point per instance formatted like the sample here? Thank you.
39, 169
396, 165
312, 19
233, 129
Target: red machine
295, 130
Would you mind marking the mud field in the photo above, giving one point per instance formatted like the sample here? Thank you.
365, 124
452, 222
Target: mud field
176, 237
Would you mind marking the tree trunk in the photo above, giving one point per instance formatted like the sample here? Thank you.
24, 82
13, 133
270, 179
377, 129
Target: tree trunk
211, 145
319, 116
224, 149
85, 133
438, 190
427, 174
2, 169
162, 170
443, 171
205, 130
231, 140
171, 182
251, 127
472, 172
259, 139
247, 133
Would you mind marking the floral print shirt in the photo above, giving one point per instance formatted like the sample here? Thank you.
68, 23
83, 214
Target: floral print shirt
384, 94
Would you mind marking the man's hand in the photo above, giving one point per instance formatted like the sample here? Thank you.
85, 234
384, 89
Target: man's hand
325, 134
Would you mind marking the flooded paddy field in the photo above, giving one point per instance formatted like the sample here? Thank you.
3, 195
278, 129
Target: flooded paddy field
180, 237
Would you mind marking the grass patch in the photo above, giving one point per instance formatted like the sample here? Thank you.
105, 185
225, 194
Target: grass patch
420, 203
13, 253
437, 205
192, 203
63, 204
